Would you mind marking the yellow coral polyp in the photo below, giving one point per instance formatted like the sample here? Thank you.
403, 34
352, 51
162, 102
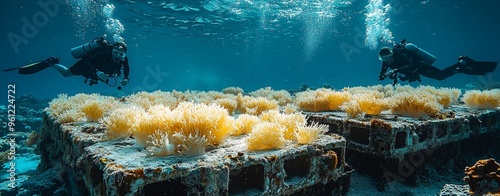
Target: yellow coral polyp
244, 124
59, 108
255, 106
71, 115
307, 134
352, 109
370, 104
147, 124
119, 123
415, 104
313, 101
206, 119
93, 111
489, 99
266, 136
233, 90
445, 96
282, 97
289, 121
336, 99
229, 104
321, 99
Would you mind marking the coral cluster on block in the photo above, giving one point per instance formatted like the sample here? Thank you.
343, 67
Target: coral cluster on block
488, 99
184, 123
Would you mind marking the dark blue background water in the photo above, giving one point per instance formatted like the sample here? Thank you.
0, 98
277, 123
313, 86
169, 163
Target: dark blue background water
200, 49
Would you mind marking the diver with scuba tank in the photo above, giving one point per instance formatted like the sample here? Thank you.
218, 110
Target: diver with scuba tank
407, 62
98, 61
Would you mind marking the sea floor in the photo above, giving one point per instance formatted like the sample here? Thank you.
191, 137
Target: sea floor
363, 185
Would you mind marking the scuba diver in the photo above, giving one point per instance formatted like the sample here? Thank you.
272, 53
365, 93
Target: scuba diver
98, 60
407, 62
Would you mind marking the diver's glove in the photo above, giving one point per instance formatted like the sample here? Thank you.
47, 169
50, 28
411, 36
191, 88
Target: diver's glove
390, 73
101, 40
102, 76
124, 82
381, 77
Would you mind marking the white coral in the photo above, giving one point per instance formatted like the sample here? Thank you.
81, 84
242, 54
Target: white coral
192, 145
161, 145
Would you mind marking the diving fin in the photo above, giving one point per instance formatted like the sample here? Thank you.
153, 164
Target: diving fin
478, 68
34, 67
485, 66
472, 67
31, 68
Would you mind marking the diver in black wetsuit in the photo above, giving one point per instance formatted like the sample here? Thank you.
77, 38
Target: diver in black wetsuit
407, 62
98, 60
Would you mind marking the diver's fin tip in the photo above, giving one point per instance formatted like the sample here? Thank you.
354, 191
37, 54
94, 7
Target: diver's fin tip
33, 67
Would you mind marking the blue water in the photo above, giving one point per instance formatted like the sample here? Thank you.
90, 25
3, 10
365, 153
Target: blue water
213, 44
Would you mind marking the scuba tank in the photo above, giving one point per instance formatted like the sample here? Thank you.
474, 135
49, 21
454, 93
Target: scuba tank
426, 56
85, 49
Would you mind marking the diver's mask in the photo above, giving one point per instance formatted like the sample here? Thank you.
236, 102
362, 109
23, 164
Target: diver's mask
385, 58
118, 54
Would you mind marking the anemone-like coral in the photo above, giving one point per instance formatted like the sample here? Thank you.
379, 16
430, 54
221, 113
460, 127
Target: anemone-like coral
372, 91
307, 134
193, 144
290, 108
313, 100
289, 121
58, 105
266, 136
228, 103
161, 144
67, 109
148, 99
255, 106
70, 115
145, 126
95, 109
157, 117
444, 96
210, 96
488, 99
281, 96
233, 90
321, 99
92, 110
244, 124
92, 107
119, 123
415, 104
370, 104
365, 100
352, 109
203, 120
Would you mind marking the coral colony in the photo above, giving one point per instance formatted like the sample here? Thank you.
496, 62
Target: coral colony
190, 124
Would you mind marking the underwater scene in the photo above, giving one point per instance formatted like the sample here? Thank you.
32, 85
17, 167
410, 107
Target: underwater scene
250, 97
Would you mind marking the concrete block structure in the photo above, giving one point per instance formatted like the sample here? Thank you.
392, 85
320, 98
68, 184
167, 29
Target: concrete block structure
122, 168
392, 136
